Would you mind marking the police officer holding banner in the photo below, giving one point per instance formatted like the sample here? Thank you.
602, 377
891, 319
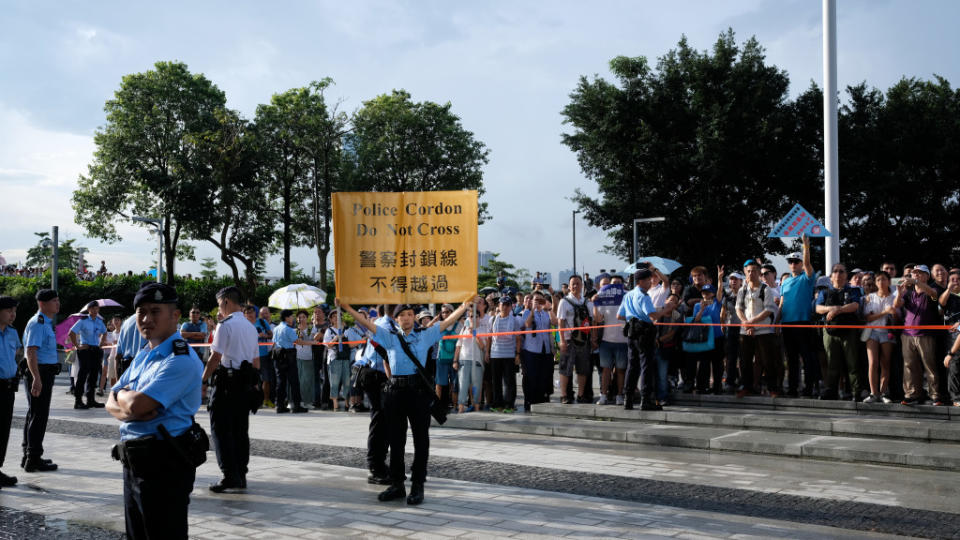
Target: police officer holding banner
233, 371
40, 340
9, 344
407, 397
156, 400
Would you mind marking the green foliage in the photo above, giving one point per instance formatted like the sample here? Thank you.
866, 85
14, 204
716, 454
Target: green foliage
42, 257
401, 145
489, 273
704, 138
900, 173
209, 268
145, 163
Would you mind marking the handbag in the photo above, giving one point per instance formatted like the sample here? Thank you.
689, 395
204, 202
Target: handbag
699, 346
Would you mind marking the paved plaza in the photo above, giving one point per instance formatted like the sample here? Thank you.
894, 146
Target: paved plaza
307, 481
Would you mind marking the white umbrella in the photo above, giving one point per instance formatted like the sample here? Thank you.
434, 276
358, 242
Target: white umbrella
297, 296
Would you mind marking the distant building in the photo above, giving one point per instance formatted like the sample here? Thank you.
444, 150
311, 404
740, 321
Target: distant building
483, 259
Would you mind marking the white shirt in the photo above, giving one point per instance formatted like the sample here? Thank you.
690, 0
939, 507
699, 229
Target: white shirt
236, 341
657, 294
877, 304
565, 311
469, 350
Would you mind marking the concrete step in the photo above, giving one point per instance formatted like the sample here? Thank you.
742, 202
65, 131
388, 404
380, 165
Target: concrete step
839, 422
810, 404
856, 449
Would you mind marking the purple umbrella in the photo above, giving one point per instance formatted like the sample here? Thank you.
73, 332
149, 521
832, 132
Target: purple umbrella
63, 330
106, 302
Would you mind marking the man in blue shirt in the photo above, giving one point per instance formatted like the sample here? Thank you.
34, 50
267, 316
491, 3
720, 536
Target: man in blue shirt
285, 340
637, 309
268, 374
406, 398
796, 305
40, 340
195, 331
9, 345
129, 343
156, 400
88, 336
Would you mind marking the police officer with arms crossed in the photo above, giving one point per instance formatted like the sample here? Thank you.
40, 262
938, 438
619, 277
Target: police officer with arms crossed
406, 398
637, 309
9, 344
156, 400
88, 336
40, 340
234, 354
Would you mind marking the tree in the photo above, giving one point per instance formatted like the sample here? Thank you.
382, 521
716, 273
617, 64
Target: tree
399, 145
321, 135
493, 269
900, 173
144, 163
705, 138
209, 268
41, 256
232, 218
285, 160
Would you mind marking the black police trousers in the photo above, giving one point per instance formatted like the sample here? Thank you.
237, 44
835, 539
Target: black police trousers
88, 374
156, 493
404, 401
38, 409
230, 429
377, 436
640, 366
287, 375
8, 390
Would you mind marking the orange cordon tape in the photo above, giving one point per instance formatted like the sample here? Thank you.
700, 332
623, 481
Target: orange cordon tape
551, 330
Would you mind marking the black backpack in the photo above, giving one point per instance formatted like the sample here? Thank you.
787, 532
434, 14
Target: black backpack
581, 317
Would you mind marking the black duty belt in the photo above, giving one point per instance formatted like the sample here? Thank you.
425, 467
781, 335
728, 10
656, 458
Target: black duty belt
403, 381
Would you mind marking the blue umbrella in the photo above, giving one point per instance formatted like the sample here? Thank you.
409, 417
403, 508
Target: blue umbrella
667, 266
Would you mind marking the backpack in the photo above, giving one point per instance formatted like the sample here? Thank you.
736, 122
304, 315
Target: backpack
581, 317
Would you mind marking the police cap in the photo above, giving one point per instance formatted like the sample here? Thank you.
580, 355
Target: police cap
155, 293
401, 308
45, 295
7, 302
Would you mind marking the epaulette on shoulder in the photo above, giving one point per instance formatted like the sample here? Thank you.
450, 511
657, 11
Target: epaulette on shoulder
40, 318
180, 347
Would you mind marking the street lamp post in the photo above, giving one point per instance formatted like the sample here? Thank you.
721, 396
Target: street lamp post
158, 223
831, 170
53, 242
574, 219
642, 220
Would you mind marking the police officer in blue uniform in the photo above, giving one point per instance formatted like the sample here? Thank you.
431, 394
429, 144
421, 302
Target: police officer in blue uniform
406, 398
88, 335
9, 344
156, 400
40, 341
638, 310
129, 343
372, 377
285, 359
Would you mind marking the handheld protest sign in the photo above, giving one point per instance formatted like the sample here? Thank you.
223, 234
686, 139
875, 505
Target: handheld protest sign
405, 247
798, 222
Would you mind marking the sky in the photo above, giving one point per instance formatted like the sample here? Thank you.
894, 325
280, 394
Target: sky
506, 67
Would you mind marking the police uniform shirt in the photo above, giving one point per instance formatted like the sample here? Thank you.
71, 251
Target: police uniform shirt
284, 335
39, 333
9, 343
88, 330
637, 304
130, 341
236, 341
170, 374
419, 344
190, 326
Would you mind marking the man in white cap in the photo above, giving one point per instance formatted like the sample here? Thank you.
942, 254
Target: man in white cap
919, 302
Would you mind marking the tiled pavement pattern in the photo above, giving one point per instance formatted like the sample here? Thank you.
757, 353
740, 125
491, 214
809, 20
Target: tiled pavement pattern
287, 493
290, 499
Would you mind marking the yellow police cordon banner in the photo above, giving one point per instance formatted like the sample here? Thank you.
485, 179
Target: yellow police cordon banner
406, 247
